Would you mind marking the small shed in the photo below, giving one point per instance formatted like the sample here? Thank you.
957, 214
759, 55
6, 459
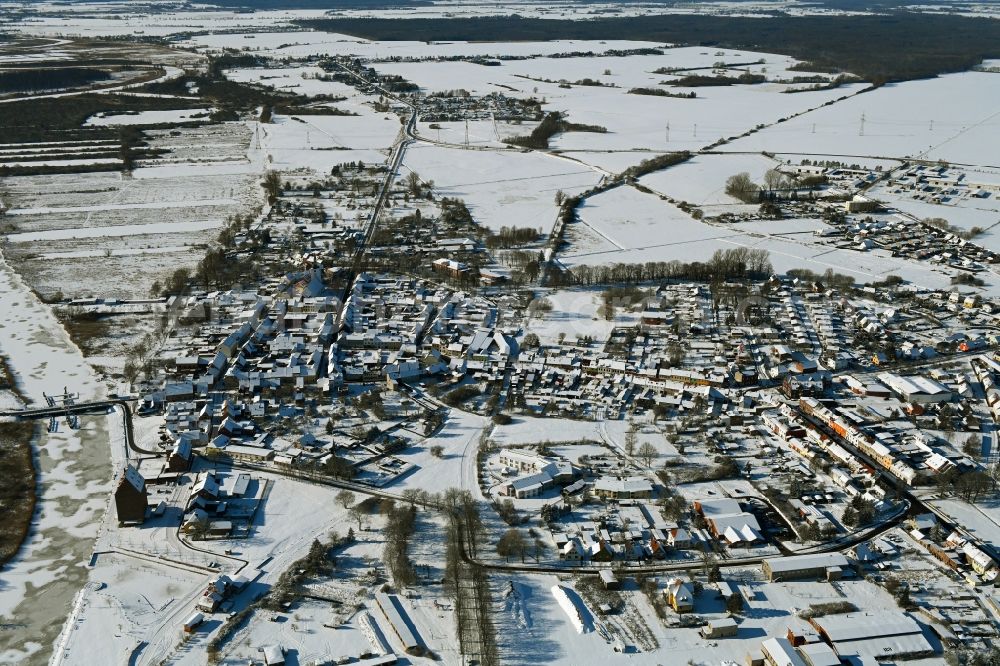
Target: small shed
609, 580
192, 622
273, 655
719, 628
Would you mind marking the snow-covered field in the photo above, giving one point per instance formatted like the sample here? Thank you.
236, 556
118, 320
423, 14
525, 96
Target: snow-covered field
321, 142
62, 227
701, 181
628, 226
150, 117
954, 117
575, 314
501, 188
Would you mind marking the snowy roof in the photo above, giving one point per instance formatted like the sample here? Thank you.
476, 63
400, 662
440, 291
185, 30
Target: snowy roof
781, 652
800, 562
859, 626
631, 484
134, 478
719, 507
819, 654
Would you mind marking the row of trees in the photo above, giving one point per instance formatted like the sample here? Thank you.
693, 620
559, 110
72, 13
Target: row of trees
468, 585
736, 263
399, 526
512, 237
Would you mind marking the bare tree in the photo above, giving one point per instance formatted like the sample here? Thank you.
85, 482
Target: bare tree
646, 453
358, 514
774, 180
741, 187
346, 498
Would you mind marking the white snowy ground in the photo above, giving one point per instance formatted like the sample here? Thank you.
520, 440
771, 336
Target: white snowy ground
954, 117
963, 213
701, 181
534, 629
982, 519
321, 142
39, 583
301, 80
500, 188
291, 517
627, 226
575, 314
456, 468
150, 117
639, 124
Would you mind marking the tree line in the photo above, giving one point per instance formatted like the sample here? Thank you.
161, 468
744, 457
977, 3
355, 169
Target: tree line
735, 263
28, 80
553, 123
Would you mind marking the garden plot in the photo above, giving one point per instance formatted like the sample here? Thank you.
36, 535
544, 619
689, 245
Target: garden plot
311, 632
952, 117
456, 468
127, 598
320, 142
525, 430
214, 145
533, 628
982, 520
963, 213
500, 188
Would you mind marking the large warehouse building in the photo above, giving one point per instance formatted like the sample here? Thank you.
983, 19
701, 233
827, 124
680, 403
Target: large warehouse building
885, 634
822, 566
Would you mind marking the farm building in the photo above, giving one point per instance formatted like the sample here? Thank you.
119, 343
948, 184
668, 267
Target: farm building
180, 456
888, 634
609, 580
720, 628
822, 566
273, 655
399, 620
916, 389
193, 622
630, 487
728, 522
780, 652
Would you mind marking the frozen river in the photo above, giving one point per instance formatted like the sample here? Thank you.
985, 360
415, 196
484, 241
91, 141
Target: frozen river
38, 587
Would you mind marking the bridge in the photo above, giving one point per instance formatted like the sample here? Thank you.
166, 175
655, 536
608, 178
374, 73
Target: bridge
76, 408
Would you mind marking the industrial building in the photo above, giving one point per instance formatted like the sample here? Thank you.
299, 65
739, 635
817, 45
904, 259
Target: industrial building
821, 566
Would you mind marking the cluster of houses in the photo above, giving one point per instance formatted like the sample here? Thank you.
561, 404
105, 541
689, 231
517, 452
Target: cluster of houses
861, 444
943, 184
634, 531
402, 329
894, 236
460, 105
